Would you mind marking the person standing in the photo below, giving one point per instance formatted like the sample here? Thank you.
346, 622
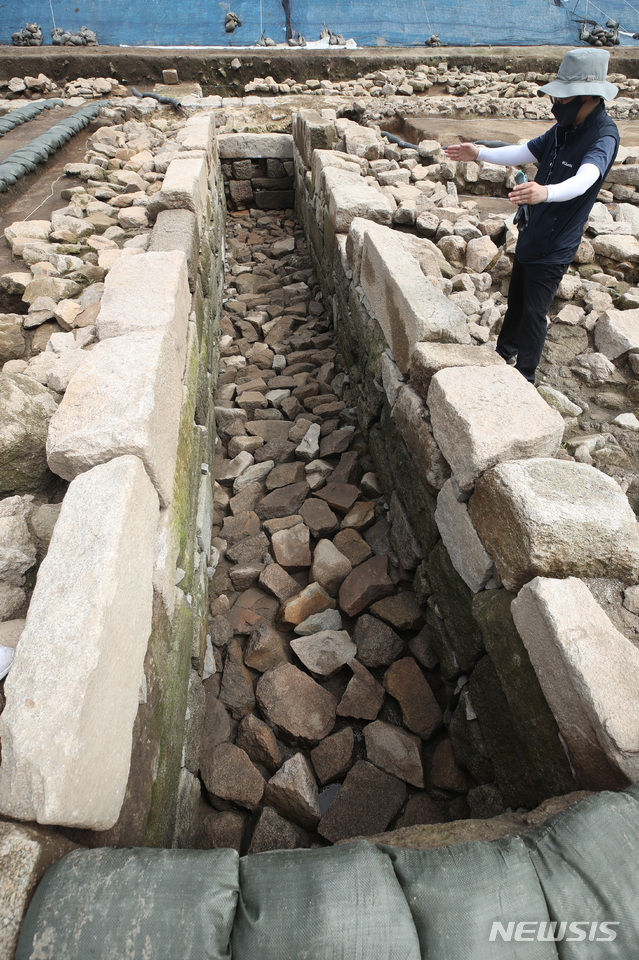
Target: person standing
573, 159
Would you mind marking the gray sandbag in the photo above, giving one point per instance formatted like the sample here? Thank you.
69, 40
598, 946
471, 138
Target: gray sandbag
587, 859
341, 903
456, 894
152, 904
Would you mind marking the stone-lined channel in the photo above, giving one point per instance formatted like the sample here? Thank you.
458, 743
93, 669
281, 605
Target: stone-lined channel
324, 716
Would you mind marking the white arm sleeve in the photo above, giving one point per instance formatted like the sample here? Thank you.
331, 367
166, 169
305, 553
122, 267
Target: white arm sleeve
587, 174
511, 156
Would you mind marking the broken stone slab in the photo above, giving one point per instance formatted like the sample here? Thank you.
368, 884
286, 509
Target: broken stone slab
273, 832
377, 643
395, 751
80, 658
466, 551
177, 230
325, 652
420, 711
229, 776
406, 305
236, 691
312, 599
278, 582
283, 502
555, 518
589, 673
427, 359
319, 517
326, 620
368, 797
266, 648
25, 854
333, 757
291, 547
293, 792
185, 186
125, 398
367, 583
27, 408
258, 740
330, 567
401, 610
145, 294
616, 332
483, 415
295, 705
363, 697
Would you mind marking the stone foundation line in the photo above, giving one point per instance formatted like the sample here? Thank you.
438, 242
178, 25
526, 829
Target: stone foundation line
481, 440
118, 612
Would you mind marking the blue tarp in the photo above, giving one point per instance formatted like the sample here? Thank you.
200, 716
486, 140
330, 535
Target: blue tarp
368, 22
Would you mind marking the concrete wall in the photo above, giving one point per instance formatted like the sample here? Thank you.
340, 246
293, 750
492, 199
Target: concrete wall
473, 453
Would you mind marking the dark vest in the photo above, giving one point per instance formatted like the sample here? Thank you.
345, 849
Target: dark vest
554, 230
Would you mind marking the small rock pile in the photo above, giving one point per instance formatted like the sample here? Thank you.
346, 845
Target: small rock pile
29, 36
321, 719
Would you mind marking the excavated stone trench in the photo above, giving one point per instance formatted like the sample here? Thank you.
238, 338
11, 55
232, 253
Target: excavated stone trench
324, 716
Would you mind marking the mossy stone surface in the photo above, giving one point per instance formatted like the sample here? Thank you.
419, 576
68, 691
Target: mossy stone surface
454, 601
532, 718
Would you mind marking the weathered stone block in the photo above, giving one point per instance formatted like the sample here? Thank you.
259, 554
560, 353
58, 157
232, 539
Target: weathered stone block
177, 230
349, 196
125, 398
483, 415
589, 673
465, 549
146, 294
616, 332
407, 306
427, 359
460, 646
185, 185
410, 416
555, 518
25, 854
237, 146
79, 664
312, 132
26, 407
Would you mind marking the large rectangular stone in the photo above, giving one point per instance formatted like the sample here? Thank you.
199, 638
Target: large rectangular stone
253, 146
324, 159
124, 398
185, 185
589, 673
555, 518
406, 305
427, 359
410, 415
350, 196
177, 230
198, 133
483, 415
312, 132
72, 693
145, 294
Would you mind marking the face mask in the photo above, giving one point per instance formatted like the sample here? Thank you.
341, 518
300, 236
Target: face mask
566, 113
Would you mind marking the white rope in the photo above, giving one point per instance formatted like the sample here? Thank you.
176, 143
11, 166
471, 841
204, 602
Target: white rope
51, 195
52, 17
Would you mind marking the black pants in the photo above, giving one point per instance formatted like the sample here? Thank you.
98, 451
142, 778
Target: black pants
531, 291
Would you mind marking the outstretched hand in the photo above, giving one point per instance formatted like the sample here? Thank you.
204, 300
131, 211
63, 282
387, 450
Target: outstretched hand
462, 151
530, 192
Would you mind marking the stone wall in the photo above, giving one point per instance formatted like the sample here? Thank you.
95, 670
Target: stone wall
258, 170
96, 716
538, 702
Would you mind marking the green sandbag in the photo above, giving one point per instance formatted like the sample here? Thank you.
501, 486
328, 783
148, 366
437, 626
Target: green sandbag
587, 859
143, 904
341, 903
458, 893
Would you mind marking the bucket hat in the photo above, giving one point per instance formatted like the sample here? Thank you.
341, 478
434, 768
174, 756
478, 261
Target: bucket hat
582, 73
